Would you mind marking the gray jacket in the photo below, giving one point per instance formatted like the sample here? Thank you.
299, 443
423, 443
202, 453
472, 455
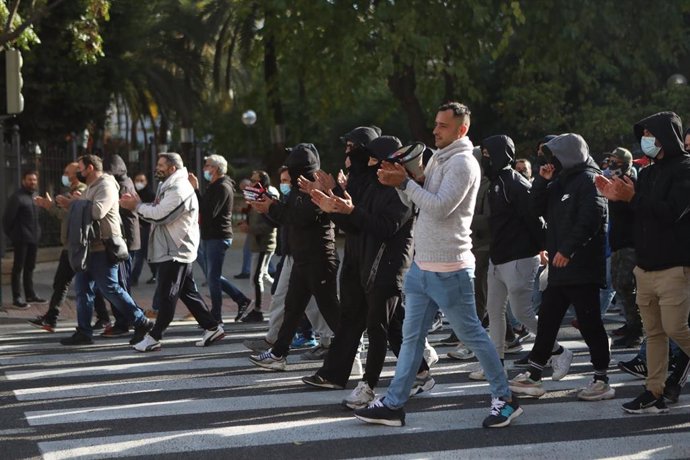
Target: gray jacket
80, 233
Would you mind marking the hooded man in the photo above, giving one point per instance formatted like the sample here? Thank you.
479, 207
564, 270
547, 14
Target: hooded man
517, 237
565, 195
379, 226
311, 237
661, 202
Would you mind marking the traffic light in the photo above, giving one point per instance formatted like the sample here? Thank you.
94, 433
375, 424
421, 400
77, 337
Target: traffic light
14, 82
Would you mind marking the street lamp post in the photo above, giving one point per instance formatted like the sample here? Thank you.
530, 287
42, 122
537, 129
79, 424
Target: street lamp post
248, 120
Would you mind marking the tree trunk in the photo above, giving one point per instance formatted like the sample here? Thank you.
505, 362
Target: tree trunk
403, 84
275, 105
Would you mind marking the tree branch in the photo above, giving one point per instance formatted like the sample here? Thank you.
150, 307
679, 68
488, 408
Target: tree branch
7, 36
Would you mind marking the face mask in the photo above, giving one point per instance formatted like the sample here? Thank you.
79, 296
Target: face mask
80, 176
617, 171
208, 176
558, 166
486, 165
139, 186
648, 147
285, 189
65, 181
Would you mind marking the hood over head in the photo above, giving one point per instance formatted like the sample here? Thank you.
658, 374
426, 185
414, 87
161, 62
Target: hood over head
382, 147
667, 128
362, 135
501, 150
303, 160
115, 166
570, 149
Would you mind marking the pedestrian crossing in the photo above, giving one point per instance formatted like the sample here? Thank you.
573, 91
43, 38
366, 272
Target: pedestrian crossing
107, 401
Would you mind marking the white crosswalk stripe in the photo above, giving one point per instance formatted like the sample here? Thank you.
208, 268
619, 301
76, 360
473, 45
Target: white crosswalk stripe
108, 401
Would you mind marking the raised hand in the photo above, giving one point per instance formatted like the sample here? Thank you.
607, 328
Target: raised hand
547, 171
391, 174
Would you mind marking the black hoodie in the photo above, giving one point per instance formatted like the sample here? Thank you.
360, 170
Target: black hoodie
662, 198
116, 166
575, 214
516, 233
310, 233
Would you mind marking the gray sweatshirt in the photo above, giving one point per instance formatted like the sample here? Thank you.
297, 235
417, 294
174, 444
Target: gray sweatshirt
446, 204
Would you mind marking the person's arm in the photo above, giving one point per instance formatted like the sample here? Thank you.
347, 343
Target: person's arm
386, 220
520, 195
674, 206
167, 210
103, 200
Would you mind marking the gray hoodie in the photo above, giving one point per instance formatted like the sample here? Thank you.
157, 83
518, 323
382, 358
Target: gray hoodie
446, 204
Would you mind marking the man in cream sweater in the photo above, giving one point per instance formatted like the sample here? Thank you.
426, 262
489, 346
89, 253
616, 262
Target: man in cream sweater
442, 274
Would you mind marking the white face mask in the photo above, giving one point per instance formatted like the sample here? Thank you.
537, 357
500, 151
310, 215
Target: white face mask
65, 181
647, 144
139, 186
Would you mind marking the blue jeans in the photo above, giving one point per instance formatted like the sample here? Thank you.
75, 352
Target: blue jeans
426, 292
101, 274
210, 257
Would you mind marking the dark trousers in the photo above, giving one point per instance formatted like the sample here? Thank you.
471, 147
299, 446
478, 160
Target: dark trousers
318, 279
176, 281
61, 282
554, 304
377, 311
23, 269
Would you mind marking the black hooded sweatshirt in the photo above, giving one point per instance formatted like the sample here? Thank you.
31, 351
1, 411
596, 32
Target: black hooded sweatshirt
662, 198
310, 232
215, 210
516, 233
575, 214
378, 231
116, 166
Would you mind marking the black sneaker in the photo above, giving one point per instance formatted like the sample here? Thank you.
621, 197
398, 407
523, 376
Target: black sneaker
41, 323
450, 341
672, 392
627, 341
635, 367
378, 413
242, 276
646, 403
78, 338
36, 299
317, 381
141, 331
20, 304
254, 317
111, 332
244, 309
151, 280
502, 413
101, 324
522, 363
437, 324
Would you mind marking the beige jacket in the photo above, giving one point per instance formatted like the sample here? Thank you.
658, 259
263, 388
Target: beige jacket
104, 195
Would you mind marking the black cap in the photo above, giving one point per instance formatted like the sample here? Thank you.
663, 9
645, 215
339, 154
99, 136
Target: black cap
362, 135
382, 147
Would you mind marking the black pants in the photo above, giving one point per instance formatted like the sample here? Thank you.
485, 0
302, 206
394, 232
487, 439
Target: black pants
23, 269
309, 279
554, 304
175, 281
61, 282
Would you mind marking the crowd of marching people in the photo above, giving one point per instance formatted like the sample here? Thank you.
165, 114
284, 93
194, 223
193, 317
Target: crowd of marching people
499, 247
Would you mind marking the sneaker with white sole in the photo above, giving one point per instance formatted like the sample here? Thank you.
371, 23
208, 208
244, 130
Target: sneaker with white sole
597, 390
257, 345
318, 353
524, 385
268, 360
148, 343
477, 372
423, 382
502, 413
561, 364
513, 347
646, 403
377, 412
210, 336
461, 353
360, 397
317, 381
430, 355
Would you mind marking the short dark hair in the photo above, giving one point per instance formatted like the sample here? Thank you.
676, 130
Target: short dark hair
92, 160
282, 169
29, 172
459, 110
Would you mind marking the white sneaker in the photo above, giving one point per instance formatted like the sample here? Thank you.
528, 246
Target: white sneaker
561, 364
268, 360
148, 343
422, 382
477, 372
360, 396
211, 336
357, 370
596, 391
461, 353
430, 355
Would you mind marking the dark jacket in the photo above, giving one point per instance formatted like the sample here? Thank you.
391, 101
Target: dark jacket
575, 214
516, 233
662, 199
20, 220
215, 210
80, 233
310, 232
116, 167
621, 224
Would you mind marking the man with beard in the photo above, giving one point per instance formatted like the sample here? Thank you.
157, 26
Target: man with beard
20, 223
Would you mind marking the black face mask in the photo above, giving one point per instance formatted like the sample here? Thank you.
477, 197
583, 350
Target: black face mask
358, 160
558, 166
540, 161
486, 166
80, 176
